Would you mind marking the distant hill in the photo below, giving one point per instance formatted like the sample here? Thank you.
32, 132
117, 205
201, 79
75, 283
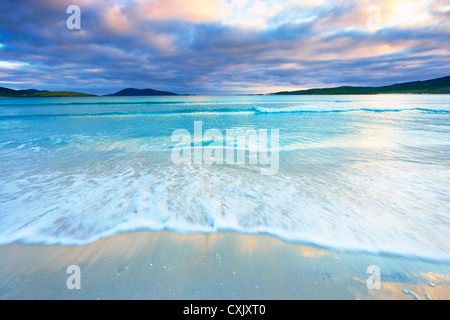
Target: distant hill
434, 86
6, 92
61, 94
131, 92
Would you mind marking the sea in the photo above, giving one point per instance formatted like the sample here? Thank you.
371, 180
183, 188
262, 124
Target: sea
356, 173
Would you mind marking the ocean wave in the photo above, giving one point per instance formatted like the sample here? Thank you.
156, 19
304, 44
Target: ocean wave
255, 110
302, 109
128, 114
80, 207
377, 181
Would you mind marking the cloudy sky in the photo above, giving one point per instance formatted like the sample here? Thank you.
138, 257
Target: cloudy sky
222, 46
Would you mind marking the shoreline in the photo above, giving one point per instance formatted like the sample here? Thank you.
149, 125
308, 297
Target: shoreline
160, 265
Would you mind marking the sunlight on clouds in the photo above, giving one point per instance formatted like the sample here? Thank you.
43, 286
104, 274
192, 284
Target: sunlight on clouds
409, 13
116, 21
260, 14
93, 70
184, 10
14, 82
245, 46
244, 87
404, 13
254, 14
375, 50
12, 65
163, 43
445, 9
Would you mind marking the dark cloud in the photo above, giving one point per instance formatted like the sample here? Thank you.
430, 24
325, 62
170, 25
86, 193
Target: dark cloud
304, 47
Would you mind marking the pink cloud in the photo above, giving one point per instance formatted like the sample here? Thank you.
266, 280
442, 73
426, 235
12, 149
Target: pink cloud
116, 21
184, 10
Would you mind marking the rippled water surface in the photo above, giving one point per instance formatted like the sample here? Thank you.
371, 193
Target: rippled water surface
359, 173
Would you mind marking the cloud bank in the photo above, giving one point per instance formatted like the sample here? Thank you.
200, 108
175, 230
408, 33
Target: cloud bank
222, 46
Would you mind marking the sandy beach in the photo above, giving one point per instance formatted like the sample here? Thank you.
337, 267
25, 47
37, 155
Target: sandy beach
222, 265
224, 150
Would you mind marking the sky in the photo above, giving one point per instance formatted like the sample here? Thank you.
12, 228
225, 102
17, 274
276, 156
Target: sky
216, 47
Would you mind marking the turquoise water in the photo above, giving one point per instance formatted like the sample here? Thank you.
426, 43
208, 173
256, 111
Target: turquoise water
356, 173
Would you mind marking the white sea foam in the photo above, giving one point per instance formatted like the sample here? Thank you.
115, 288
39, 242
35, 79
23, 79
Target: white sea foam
81, 207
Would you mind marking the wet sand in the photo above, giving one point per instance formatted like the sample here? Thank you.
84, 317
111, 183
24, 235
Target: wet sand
223, 265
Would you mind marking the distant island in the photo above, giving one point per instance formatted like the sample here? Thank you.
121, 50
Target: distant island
434, 86
11, 93
131, 92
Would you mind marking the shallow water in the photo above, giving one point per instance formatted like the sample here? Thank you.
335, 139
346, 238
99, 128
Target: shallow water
356, 173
